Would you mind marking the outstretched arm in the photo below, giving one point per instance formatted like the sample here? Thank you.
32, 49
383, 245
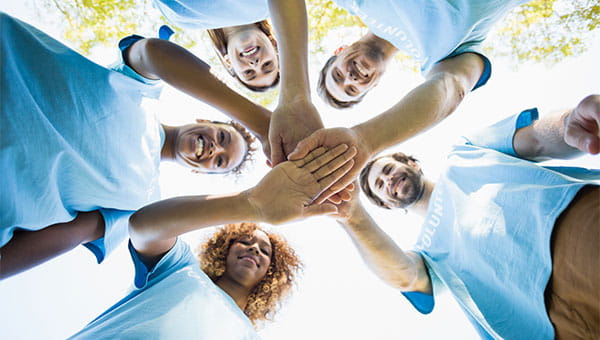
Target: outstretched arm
420, 109
285, 193
399, 269
295, 116
564, 135
162, 59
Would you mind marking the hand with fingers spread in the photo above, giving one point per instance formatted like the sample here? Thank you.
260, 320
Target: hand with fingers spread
582, 125
288, 190
329, 138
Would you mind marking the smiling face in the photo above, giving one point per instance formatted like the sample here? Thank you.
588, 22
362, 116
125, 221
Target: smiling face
355, 71
397, 184
253, 57
249, 258
210, 147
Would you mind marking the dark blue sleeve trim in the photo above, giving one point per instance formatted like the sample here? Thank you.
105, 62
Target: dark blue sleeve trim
422, 302
97, 248
486, 74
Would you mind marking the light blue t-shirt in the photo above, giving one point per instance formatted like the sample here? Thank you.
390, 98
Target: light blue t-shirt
431, 30
486, 236
207, 14
174, 300
73, 137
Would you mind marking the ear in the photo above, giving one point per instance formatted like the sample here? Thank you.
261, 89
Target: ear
339, 50
413, 164
227, 61
201, 121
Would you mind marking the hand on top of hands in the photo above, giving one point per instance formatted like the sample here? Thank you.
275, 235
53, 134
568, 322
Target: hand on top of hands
329, 138
288, 190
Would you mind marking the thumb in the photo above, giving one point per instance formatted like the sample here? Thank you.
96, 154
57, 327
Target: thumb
320, 209
305, 146
277, 155
579, 138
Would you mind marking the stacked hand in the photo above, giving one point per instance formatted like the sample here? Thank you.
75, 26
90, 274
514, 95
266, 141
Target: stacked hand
329, 138
582, 125
290, 123
288, 191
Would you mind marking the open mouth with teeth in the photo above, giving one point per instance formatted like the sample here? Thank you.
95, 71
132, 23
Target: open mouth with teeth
250, 51
199, 147
361, 70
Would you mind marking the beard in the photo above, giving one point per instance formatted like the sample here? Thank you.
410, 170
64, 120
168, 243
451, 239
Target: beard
414, 188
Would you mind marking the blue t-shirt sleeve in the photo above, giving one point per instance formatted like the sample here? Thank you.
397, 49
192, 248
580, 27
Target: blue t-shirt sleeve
499, 136
179, 256
475, 47
422, 302
115, 231
153, 87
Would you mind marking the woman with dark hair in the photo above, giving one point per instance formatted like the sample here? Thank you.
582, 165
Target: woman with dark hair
242, 37
245, 43
244, 272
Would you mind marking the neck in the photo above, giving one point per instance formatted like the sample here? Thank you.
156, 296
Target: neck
238, 293
421, 205
385, 46
167, 153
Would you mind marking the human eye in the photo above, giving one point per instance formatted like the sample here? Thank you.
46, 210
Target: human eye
265, 251
267, 67
221, 137
219, 161
387, 169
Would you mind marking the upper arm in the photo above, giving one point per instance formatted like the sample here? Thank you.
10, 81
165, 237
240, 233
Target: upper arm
136, 57
422, 283
149, 250
464, 70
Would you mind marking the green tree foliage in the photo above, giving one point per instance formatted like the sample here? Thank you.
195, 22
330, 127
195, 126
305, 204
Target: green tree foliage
90, 23
546, 30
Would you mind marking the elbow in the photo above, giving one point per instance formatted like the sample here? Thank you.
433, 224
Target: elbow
138, 228
452, 89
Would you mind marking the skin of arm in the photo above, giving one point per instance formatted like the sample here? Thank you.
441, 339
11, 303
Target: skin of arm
402, 270
423, 107
295, 116
564, 135
28, 249
284, 194
162, 59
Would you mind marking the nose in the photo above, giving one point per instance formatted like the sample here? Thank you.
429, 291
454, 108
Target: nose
253, 61
253, 248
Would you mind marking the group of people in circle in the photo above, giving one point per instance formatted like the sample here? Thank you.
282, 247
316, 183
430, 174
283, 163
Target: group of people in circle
514, 241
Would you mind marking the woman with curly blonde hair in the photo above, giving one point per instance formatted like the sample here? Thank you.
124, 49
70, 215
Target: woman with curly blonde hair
244, 273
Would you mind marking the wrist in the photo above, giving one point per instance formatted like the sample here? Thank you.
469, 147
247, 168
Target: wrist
367, 144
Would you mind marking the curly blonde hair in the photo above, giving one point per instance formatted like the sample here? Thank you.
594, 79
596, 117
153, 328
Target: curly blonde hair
266, 298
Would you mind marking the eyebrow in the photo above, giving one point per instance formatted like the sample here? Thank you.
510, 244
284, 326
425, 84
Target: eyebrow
386, 169
334, 74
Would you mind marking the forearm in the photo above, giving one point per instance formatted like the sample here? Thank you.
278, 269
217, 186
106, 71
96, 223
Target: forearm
422, 108
161, 59
382, 255
544, 139
167, 219
291, 28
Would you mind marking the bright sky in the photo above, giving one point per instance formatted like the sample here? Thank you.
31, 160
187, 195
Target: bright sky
336, 297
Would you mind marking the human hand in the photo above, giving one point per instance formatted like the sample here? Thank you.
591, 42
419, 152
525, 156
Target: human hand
329, 138
582, 125
346, 209
287, 191
290, 123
